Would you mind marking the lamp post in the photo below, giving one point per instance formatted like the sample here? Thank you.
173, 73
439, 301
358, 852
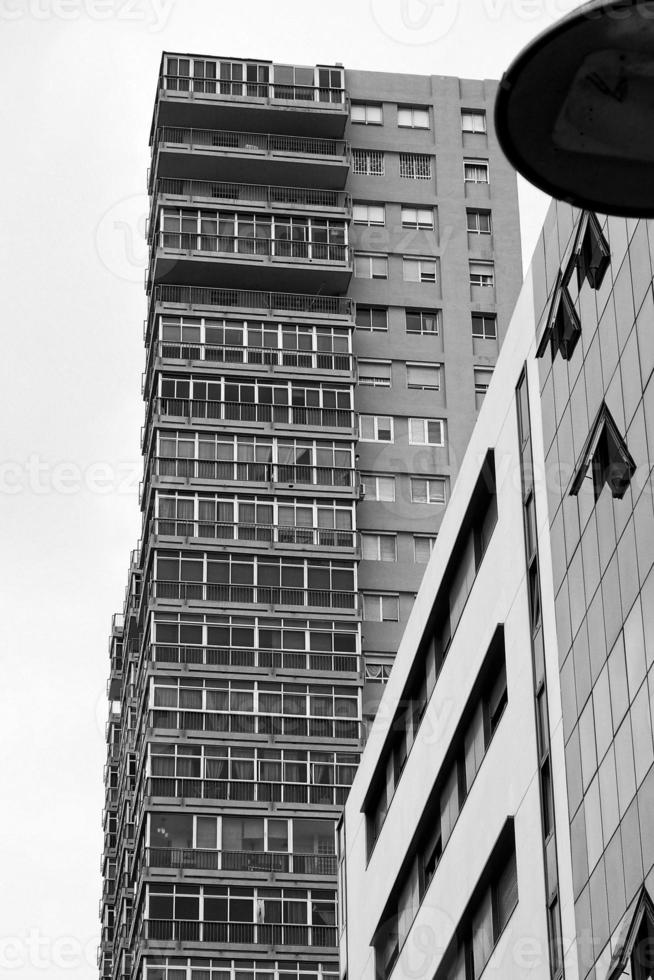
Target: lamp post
575, 110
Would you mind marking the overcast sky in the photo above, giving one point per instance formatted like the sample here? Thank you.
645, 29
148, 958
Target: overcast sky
78, 87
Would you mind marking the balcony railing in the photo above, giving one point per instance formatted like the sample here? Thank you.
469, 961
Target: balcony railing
249, 790
195, 408
275, 248
267, 934
261, 356
251, 472
288, 92
208, 656
251, 724
255, 299
269, 595
266, 194
205, 860
262, 533
270, 143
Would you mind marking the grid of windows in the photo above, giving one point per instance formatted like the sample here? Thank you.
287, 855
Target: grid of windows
479, 222
417, 117
371, 317
376, 374
426, 432
427, 376
367, 113
421, 218
419, 270
422, 321
415, 166
484, 326
369, 214
368, 162
367, 266
473, 121
381, 607
428, 490
378, 547
482, 274
475, 171
376, 428
377, 487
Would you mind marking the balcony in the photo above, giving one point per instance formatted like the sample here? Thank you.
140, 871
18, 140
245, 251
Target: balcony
235, 933
257, 413
204, 860
199, 258
269, 535
270, 596
241, 723
264, 197
298, 160
256, 658
246, 791
254, 95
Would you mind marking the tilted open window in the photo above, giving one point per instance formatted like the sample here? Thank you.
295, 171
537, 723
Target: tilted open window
634, 946
563, 327
591, 253
606, 456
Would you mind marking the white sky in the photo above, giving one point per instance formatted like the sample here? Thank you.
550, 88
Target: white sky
78, 87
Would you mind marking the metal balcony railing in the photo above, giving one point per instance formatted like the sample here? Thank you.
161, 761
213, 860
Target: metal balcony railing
269, 595
205, 860
214, 411
348, 663
252, 472
245, 790
251, 724
255, 299
266, 194
261, 533
276, 248
269, 143
288, 92
331, 361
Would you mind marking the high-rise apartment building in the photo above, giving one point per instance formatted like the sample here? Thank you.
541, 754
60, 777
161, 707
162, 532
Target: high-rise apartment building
501, 820
333, 260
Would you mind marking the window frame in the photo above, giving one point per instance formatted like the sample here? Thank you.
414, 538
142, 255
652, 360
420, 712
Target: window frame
429, 481
378, 535
423, 314
375, 382
423, 277
424, 365
484, 335
371, 257
376, 418
426, 422
412, 110
417, 161
417, 223
371, 310
474, 114
481, 164
366, 106
367, 222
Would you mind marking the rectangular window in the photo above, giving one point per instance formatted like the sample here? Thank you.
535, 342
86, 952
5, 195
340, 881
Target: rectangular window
482, 380
366, 113
381, 607
426, 376
415, 166
423, 545
422, 321
416, 117
376, 374
479, 222
368, 214
475, 171
371, 318
375, 428
426, 490
368, 162
370, 266
419, 270
379, 547
482, 274
422, 218
426, 432
378, 487
473, 121
484, 326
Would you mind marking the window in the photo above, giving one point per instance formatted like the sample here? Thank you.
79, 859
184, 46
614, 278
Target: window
369, 214
482, 380
475, 171
473, 121
426, 432
632, 953
563, 327
484, 326
367, 113
376, 374
426, 490
378, 487
606, 455
376, 428
422, 321
369, 162
591, 251
371, 318
423, 376
377, 671
415, 166
381, 607
482, 274
479, 222
370, 266
413, 116
379, 547
422, 218
419, 270
423, 545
